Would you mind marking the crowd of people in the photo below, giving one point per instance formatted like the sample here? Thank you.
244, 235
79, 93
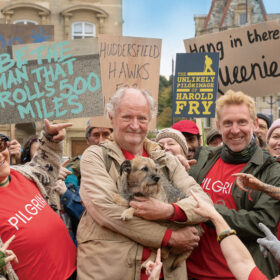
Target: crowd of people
60, 220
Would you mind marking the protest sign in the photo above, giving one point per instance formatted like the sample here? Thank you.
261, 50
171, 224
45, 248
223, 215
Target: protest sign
15, 34
129, 61
195, 85
50, 80
249, 57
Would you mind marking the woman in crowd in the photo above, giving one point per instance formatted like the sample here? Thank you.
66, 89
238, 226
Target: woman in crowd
42, 245
29, 149
174, 142
273, 139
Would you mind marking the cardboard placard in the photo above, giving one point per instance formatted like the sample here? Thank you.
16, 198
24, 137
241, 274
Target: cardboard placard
249, 57
129, 61
50, 80
195, 85
18, 34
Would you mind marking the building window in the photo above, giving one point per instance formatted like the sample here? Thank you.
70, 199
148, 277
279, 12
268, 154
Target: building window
242, 19
25, 21
207, 122
81, 30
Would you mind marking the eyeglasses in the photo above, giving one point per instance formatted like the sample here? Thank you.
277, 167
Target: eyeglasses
3, 143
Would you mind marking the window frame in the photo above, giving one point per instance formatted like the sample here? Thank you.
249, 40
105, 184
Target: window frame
25, 21
83, 34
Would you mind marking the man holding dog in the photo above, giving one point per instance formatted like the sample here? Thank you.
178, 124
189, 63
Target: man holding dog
109, 248
243, 211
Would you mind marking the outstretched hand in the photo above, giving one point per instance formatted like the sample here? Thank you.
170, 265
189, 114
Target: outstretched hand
153, 269
203, 208
244, 180
186, 163
57, 130
7, 255
63, 171
269, 243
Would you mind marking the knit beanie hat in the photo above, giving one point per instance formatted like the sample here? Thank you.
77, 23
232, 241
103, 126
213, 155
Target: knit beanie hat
266, 118
211, 134
275, 124
176, 135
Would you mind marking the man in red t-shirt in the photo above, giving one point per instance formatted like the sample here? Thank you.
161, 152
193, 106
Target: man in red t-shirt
236, 121
109, 248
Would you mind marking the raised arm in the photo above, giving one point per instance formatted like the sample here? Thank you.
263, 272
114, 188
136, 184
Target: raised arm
238, 258
244, 180
44, 166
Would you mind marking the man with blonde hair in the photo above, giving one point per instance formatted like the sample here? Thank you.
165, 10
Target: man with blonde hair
236, 121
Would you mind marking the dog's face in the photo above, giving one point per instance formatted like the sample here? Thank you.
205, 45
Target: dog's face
142, 176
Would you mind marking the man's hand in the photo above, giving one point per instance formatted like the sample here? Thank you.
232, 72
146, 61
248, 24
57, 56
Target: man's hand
63, 171
153, 269
244, 180
186, 163
14, 150
9, 255
269, 242
203, 208
57, 130
151, 209
60, 187
184, 239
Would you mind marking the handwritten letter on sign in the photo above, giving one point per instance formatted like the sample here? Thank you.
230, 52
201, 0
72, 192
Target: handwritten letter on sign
195, 85
129, 61
249, 57
53, 84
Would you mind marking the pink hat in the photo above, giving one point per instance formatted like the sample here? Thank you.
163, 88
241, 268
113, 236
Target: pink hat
275, 124
186, 126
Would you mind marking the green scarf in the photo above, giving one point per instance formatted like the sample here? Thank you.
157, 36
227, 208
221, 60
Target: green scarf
245, 155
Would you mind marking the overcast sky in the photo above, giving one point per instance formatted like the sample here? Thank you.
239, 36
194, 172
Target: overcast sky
169, 20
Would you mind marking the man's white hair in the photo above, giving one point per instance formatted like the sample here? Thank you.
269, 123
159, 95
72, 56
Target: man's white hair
115, 100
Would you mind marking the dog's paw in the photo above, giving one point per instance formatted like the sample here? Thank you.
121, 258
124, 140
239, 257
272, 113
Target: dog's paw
127, 214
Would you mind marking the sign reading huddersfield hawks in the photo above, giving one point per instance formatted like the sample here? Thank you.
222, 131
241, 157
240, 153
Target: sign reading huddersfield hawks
195, 85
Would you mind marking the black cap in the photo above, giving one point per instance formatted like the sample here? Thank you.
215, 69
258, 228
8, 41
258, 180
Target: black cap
266, 118
3, 136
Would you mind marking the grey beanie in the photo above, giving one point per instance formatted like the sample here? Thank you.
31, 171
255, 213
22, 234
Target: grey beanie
176, 135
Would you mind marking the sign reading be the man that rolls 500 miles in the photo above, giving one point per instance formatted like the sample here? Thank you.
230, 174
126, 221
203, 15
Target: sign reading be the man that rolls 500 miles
195, 85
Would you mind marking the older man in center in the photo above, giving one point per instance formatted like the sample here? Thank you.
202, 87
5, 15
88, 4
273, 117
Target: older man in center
109, 248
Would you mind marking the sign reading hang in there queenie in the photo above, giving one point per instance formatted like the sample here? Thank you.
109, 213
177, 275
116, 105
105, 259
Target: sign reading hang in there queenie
15, 34
195, 85
129, 61
249, 57
54, 80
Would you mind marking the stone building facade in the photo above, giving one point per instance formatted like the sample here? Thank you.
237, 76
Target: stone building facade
227, 14
72, 19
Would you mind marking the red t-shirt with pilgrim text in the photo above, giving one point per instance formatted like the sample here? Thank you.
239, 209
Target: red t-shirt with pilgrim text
207, 260
42, 244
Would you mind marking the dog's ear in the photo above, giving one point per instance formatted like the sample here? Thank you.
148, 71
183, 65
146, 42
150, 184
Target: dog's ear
125, 167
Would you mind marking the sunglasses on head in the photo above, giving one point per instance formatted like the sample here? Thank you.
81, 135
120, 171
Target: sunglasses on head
3, 143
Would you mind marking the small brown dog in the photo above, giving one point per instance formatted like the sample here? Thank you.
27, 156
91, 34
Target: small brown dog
141, 177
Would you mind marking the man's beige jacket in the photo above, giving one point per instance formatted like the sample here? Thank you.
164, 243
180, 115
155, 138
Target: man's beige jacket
109, 248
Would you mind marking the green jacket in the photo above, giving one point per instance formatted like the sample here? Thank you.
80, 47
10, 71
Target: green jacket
259, 208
